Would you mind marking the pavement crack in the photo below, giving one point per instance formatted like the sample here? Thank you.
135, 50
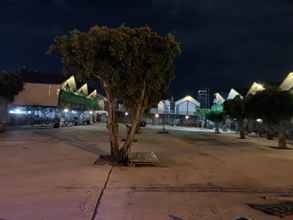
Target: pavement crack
101, 195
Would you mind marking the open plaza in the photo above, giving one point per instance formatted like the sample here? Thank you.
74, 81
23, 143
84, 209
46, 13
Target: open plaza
50, 174
158, 110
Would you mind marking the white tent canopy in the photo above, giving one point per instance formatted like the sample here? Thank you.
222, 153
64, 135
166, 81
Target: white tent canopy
186, 106
255, 87
218, 99
287, 84
233, 94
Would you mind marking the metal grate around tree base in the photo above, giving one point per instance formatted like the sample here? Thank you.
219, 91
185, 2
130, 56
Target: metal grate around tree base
281, 209
143, 159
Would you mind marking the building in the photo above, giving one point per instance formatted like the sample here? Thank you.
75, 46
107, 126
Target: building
203, 96
186, 106
38, 94
233, 94
255, 87
218, 103
287, 84
218, 99
52, 103
164, 107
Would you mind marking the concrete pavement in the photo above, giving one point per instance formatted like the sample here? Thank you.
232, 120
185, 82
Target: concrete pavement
49, 174
42, 178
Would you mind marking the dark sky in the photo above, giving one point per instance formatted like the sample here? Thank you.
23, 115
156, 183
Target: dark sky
226, 42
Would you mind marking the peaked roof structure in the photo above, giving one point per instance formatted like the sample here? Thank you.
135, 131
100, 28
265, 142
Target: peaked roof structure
287, 84
93, 94
164, 102
69, 84
255, 87
164, 106
187, 99
218, 98
233, 94
83, 90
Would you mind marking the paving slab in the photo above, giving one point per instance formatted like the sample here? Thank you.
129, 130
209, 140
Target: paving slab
49, 174
44, 178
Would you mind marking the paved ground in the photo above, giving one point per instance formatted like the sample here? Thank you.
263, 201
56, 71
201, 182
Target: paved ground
49, 174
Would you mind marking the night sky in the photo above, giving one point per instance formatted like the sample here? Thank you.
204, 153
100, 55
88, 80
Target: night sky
226, 42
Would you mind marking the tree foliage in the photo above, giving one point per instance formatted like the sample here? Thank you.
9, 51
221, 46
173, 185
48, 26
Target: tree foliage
10, 85
216, 117
135, 66
126, 59
271, 105
274, 107
235, 108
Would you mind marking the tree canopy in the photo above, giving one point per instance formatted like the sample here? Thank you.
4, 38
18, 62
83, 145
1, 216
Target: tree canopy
235, 108
134, 65
215, 116
125, 59
274, 106
10, 85
271, 105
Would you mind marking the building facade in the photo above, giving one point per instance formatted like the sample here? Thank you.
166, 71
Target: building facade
186, 106
59, 104
203, 96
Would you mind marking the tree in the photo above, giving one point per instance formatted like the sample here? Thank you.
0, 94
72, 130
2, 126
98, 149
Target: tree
235, 108
10, 85
217, 118
274, 107
134, 65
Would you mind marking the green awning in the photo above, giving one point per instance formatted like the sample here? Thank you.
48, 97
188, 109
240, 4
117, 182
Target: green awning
75, 101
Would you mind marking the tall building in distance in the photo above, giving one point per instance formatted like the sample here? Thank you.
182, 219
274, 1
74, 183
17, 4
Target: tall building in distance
203, 96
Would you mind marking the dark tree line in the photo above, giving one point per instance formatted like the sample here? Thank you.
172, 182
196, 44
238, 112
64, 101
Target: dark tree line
272, 105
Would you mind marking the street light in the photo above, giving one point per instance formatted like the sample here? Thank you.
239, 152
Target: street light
126, 114
66, 110
259, 120
187, 117
157, 115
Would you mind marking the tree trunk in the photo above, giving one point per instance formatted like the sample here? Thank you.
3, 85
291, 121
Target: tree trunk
138, 112
270, 132
3, 114
217, 128
112, 124
120, 154
242, 129
125, 150
282, 137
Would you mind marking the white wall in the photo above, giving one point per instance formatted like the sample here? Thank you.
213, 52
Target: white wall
185, 108
164, 107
